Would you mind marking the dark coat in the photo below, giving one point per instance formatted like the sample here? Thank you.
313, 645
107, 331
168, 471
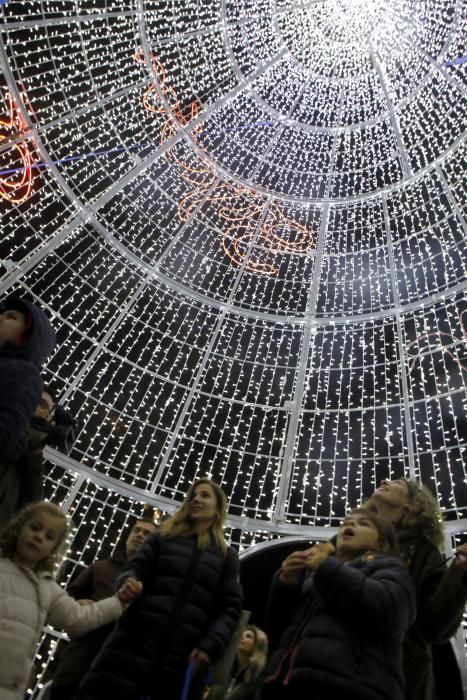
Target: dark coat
345, 640
241, 689
96, 582
441, 595
21, 475
20, 382
191, 599
20, 391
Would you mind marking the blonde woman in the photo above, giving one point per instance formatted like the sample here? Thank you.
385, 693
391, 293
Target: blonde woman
189, 602
250, 661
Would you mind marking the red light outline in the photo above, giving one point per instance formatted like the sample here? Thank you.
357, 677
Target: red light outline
201, 179
8, 189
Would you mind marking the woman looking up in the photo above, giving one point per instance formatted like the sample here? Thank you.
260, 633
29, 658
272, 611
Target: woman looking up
246, 673
441, 593
189, 602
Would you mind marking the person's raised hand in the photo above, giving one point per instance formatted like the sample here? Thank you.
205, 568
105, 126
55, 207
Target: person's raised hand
317, 554
130, 589
293, 566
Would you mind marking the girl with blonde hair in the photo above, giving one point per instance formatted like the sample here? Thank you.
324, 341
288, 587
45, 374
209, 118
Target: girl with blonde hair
31, 546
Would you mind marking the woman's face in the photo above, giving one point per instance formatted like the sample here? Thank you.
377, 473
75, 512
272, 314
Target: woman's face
394, 494
203, 505
247, 642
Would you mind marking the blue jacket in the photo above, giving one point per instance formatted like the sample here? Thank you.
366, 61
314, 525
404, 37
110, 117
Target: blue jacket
20, 381
345, 639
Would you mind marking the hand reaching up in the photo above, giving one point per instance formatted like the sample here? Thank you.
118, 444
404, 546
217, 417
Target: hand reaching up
318, 553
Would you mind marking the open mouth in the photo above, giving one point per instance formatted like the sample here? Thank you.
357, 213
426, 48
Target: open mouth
348, 532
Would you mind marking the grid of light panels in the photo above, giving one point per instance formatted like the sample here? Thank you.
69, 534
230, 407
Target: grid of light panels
247, 220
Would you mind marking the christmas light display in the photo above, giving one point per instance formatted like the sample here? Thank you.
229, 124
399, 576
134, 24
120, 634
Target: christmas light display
247, 222
15, 188
239, 205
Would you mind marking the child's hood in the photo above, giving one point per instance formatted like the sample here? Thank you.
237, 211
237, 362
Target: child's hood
40, 340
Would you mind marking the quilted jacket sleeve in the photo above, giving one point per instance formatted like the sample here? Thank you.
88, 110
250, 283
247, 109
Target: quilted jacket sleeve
282, 603
380, 595
20, 390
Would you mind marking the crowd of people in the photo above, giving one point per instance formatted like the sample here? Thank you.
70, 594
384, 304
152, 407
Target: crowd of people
355, 617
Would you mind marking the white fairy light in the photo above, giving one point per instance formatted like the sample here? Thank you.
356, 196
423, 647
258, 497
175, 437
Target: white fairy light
248, 224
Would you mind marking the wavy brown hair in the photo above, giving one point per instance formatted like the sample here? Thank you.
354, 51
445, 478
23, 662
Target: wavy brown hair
10, 533
423, 514
180, 524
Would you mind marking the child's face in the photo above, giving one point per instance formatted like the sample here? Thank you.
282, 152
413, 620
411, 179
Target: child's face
12, 324
356, 534
37, 539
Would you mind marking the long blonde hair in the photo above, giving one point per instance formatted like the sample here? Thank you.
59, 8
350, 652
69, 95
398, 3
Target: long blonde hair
10, 533
259, 656
180, 524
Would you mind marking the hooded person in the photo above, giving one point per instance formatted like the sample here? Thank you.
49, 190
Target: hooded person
26, 341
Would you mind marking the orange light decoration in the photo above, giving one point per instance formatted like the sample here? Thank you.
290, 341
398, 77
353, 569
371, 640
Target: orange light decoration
446, 350
16, 186
240, 205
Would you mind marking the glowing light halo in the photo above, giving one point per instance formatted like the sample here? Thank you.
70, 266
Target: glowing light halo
348, 24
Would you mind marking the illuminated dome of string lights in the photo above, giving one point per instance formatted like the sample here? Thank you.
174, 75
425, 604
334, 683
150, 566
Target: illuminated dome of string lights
247, 222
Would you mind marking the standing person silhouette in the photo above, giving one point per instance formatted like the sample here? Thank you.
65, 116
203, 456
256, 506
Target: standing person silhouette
189, 602
347, 613
441, 592
96, 582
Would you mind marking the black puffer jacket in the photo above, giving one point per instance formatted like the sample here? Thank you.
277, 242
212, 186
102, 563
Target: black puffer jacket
191, 599
345, 640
